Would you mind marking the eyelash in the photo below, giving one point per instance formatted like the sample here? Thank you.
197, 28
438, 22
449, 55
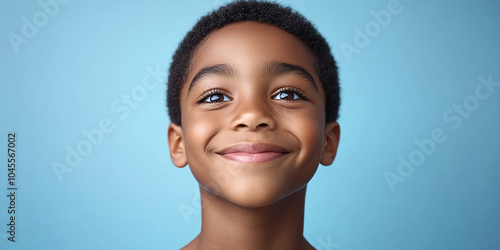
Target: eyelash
293, 90
209, 93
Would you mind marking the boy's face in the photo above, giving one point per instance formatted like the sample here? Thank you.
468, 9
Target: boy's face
253, 115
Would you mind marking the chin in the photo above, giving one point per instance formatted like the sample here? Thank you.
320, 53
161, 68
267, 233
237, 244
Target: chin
256, 196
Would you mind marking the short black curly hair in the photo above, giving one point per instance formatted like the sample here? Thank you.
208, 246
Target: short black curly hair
258, 11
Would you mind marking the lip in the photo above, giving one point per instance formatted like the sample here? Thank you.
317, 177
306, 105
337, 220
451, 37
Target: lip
253, 152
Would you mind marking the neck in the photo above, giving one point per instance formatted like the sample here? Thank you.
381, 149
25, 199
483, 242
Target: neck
226, 225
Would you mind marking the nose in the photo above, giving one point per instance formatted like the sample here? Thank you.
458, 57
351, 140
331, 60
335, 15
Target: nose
253, 114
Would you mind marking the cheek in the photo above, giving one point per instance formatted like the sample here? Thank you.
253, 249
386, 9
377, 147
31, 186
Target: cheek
309, 129
309, 126
198, 131
199, 140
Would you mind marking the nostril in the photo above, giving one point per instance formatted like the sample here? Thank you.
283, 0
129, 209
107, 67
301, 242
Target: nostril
241, 126
253, 120
259, 126
262, 125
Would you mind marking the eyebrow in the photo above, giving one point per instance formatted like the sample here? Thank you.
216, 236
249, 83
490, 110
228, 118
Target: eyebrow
219, 69
279, 68
273, 68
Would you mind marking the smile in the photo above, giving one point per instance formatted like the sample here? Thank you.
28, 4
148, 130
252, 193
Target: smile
253, 153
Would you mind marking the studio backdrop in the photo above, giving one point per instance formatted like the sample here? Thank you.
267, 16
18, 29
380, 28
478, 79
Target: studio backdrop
83, 131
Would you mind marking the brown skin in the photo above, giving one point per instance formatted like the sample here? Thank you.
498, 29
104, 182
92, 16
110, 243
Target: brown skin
252, 194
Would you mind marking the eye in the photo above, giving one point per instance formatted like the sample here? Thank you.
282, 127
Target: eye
214, 96
289, 94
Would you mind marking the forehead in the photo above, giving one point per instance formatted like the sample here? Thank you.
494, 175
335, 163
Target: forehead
250, 45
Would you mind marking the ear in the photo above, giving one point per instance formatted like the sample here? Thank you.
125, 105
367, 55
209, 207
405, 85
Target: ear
331, 143
176, 145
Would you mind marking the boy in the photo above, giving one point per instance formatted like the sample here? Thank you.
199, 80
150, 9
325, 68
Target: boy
253, 97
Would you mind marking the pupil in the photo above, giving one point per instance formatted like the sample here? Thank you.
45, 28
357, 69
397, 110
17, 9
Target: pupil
215, 98
284, 95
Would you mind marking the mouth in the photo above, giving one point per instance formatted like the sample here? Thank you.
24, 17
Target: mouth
253, 152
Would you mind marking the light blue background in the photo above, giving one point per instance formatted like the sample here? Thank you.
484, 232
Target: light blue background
126, 194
